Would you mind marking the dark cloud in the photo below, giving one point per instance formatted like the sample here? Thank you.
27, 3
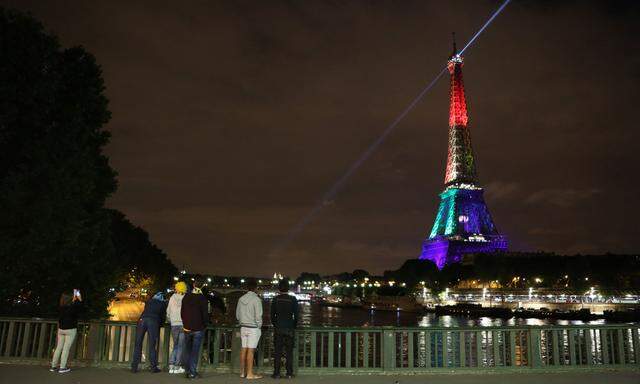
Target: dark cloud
232, 118
561, 197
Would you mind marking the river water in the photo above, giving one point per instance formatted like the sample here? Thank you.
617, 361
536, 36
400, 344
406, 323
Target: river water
317, 315
313, 314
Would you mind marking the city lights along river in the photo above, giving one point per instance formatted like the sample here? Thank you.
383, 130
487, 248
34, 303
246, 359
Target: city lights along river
312, 314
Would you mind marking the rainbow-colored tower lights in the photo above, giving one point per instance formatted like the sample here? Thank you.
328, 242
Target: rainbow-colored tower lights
463, 224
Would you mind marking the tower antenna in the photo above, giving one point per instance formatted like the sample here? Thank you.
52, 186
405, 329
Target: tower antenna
455, 50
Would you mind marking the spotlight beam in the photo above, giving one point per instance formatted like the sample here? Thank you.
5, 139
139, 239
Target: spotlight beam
337, 186
495, 14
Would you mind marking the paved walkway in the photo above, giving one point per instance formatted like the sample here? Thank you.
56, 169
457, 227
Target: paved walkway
23, 374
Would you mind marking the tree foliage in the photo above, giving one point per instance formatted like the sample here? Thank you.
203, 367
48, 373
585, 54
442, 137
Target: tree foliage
137, 257
307, 276
54, 178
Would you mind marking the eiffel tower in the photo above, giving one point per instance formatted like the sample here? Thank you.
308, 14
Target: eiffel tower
463, 224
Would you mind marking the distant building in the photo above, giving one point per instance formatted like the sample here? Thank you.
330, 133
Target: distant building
463, 224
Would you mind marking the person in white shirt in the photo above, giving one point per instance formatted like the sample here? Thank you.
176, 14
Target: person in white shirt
249, 315
177, 333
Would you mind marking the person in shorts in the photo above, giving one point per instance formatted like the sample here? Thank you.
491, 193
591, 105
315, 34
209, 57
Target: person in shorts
249, 315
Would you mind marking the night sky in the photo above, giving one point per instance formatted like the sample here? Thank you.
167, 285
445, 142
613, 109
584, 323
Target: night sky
231, 119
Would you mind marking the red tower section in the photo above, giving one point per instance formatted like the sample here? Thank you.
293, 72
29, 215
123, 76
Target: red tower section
458, 105
461, 167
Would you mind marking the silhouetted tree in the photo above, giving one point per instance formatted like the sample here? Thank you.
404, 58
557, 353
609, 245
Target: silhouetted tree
54, 178
136, 256
55, 234
413, 271
306, 276
359, 274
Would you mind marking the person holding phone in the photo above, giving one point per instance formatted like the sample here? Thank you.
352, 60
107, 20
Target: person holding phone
70, 306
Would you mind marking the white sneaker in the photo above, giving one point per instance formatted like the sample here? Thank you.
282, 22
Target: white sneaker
172, 370
179, 370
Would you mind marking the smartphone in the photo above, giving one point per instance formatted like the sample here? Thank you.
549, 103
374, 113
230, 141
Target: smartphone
76, 292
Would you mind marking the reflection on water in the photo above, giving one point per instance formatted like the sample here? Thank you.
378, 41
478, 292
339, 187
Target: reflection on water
317, 315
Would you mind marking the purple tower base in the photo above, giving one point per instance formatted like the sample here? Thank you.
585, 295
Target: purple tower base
443, 251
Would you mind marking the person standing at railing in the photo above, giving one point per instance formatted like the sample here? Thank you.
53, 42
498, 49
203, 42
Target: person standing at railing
151, 319
195, 318
177, 332
215, 303
284, 317
249, 315
70, 306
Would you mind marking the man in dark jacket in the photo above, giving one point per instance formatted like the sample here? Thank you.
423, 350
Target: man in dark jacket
150, 320
284, 317
195, 318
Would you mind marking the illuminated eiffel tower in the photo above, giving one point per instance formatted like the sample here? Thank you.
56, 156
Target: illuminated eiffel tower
463, 224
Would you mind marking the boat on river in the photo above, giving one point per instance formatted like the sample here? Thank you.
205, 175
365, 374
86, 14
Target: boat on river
545, 313
631, 315
392, 303
341, 301
473, 310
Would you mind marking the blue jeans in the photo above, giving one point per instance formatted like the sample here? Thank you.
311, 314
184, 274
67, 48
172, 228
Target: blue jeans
177, 334
192, 344
151, 327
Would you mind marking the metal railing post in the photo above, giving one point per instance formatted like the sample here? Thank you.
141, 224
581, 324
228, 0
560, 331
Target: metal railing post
9, 341
512, 348
604, 345
388, 350
535, 360
330, 342
462, 348
215, 354
427, 352
410, 353
636, 344
621, 352
236, 345
26, 333
41, 337
93, 343
347, 351
571, 335
555, 349
496, 352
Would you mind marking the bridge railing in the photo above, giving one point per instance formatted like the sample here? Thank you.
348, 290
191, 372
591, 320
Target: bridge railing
325, 349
